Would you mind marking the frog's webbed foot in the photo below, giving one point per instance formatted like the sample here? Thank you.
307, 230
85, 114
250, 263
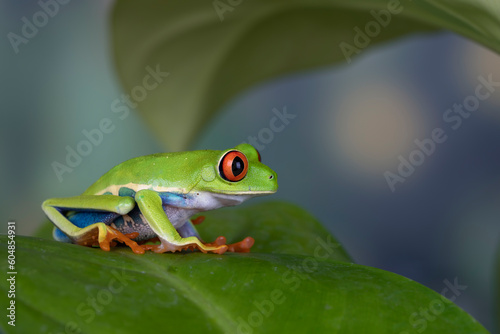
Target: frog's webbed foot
242, 246
219, 246
108, 240
190, 243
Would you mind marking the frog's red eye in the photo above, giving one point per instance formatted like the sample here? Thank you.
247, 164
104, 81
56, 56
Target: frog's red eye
233, 166
258, 155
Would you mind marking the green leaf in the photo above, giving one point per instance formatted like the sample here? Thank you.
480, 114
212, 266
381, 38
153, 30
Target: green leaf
210, 61
63, 288
297, 279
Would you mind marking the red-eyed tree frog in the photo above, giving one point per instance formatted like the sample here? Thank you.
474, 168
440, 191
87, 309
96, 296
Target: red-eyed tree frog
153, 197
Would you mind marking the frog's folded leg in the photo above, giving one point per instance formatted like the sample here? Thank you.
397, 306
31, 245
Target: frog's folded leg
88, 225
150, 204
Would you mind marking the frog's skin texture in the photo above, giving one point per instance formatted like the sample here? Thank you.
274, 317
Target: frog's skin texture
153, 197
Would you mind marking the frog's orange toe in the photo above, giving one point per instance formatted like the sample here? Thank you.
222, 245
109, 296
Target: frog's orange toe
220, 250
220, 241
243, 246
239, 247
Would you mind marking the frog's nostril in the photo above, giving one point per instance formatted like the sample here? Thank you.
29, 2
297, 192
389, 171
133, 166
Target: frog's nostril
270, 177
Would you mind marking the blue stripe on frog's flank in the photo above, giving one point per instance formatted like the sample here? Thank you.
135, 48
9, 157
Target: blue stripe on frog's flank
85, 218
174, 199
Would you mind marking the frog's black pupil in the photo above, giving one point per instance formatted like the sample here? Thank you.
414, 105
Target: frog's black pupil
238, 166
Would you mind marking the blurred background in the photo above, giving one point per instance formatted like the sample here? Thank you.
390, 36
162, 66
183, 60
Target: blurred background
351, 124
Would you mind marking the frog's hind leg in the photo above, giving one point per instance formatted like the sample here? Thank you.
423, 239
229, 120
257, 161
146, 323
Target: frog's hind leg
150, 204
90, 232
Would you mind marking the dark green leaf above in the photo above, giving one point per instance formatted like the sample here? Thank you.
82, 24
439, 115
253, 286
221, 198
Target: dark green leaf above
212, 54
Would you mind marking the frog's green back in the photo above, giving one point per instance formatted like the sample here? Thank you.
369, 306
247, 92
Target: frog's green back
161, 171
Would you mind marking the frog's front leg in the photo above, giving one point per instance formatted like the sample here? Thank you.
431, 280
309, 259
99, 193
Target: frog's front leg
150, 204
96, 233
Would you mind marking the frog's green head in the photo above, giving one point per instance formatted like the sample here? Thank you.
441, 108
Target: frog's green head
238, 171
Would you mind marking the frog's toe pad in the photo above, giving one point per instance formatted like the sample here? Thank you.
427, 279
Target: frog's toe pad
241, 247
220, 241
